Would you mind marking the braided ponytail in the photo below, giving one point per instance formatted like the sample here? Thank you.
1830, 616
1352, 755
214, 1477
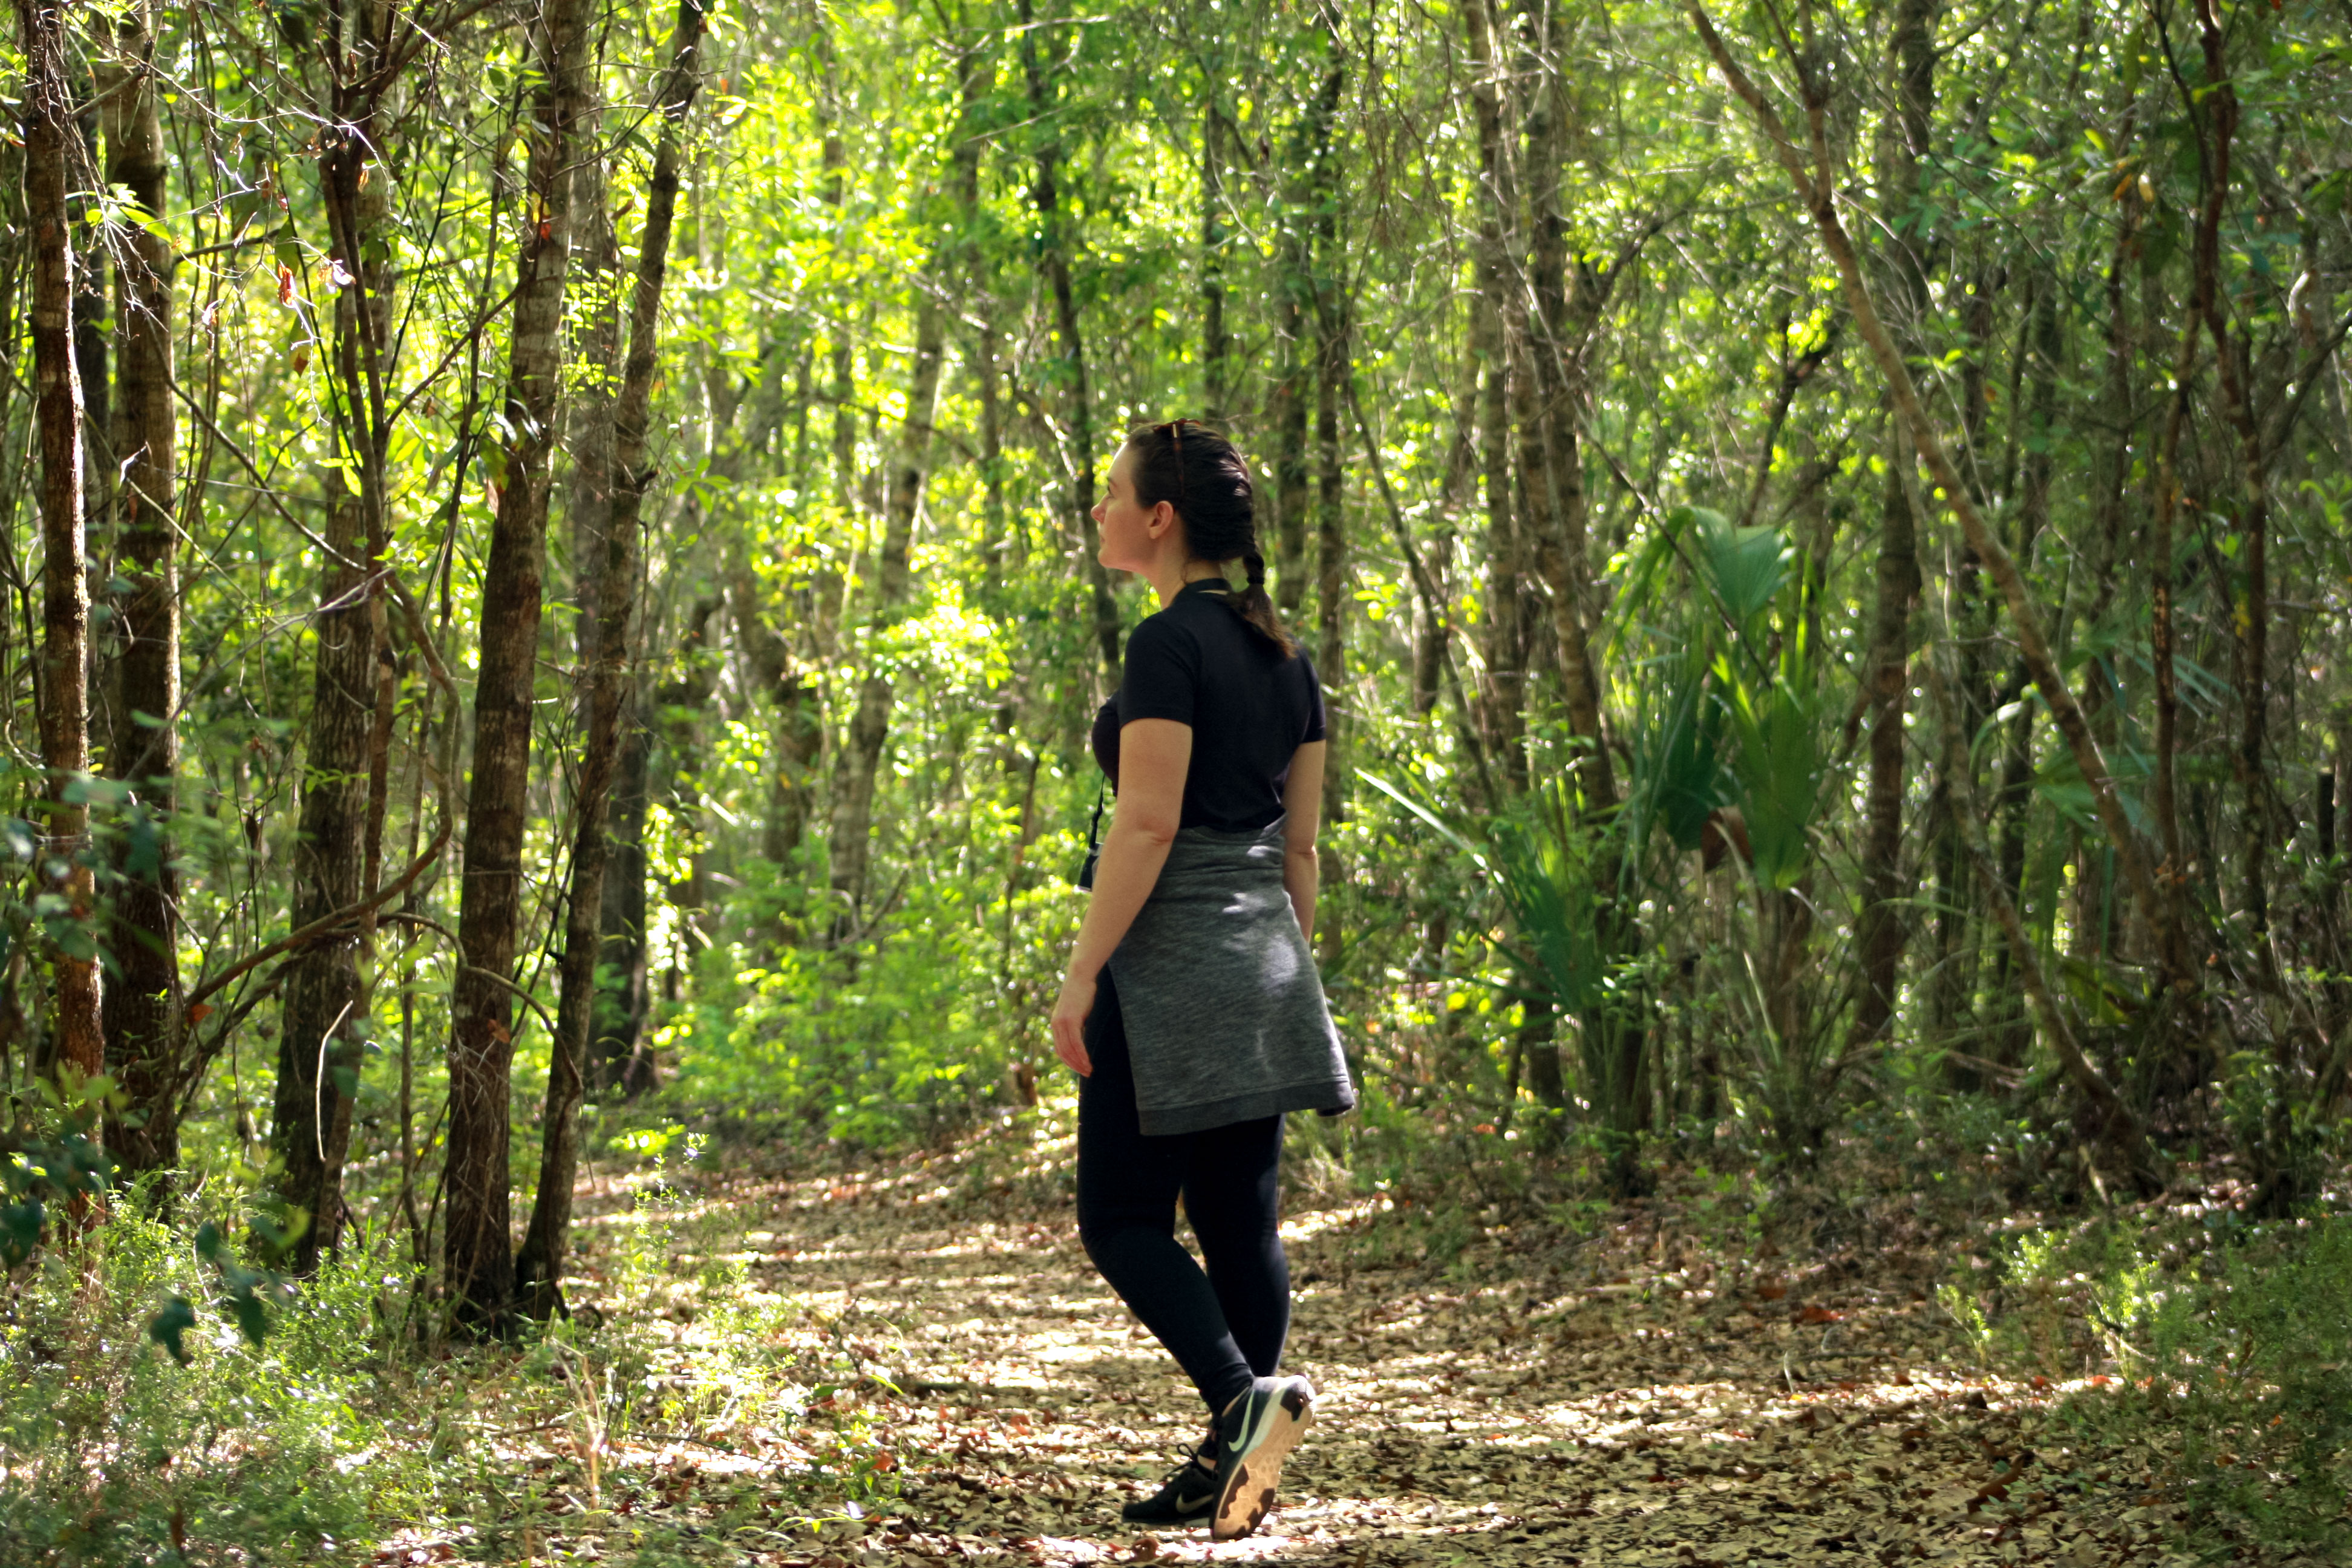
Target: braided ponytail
1199, 473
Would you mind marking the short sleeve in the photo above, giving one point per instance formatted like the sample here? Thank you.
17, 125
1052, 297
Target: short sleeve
1316, 725
1162, 675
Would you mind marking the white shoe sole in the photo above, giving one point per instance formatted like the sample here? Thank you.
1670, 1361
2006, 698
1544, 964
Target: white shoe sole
1248, 1496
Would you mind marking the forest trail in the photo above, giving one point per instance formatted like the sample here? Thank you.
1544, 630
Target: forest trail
1641, 1396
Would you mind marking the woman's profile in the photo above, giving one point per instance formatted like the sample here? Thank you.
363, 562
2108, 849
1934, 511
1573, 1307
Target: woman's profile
1191, 1009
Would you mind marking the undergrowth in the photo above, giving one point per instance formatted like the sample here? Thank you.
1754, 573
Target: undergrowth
353, 1427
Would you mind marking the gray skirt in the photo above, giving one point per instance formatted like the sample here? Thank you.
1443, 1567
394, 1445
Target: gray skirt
1224, 1012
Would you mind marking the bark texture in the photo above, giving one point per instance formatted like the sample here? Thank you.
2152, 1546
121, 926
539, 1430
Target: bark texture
77, 1042
539, 1269
1503, 699
478, 1253
144, 1027
324, 1021
1879, 933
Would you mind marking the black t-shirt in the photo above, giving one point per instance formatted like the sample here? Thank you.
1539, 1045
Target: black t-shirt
1199, 663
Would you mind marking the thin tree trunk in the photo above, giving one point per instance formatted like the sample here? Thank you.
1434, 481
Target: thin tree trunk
101, 467
324, 1018
833, 162
78, 1041
539, 1267
977, 70
2217, 128
1557, 337
1216, 343
1504, 644
1046, 192
1333, 576
860, 762
1879, 933
143, 1029
1304, 205
478, 1258
588, 417
617, 1062
869, 726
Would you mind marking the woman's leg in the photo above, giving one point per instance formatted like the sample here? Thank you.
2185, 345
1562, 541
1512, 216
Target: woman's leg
1231, 1176
1127, 1217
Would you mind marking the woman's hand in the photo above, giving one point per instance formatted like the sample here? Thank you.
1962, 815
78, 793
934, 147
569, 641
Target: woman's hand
1070, 1010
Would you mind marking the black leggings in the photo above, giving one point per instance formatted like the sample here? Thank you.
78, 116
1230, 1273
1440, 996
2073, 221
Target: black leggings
1227, 1327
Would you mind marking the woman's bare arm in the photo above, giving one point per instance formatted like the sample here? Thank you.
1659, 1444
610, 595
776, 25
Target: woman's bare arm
1302, 806
1154, 755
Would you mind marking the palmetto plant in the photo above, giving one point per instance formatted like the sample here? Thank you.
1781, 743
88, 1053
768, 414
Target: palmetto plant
1725, 728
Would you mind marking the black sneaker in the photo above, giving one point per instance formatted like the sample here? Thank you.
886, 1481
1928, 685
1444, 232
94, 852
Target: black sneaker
1254, 1434
1188, 1495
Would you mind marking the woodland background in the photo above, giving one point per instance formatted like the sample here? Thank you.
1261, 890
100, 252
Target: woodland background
550, 593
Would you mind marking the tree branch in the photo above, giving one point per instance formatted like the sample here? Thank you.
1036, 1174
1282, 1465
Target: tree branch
1814, 189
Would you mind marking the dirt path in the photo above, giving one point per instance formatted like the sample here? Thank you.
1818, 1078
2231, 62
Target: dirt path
1637, 1398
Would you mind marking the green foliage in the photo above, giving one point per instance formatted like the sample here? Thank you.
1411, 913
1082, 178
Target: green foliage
899, 1036
2237, 1373
226, 1443
54, 1159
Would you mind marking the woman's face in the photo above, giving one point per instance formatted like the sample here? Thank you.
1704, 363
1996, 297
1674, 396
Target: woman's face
1132, 535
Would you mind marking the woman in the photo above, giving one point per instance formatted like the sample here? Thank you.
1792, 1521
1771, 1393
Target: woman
1191, 1010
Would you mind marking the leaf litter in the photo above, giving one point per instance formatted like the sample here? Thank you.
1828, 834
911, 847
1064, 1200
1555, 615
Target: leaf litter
1638, 1388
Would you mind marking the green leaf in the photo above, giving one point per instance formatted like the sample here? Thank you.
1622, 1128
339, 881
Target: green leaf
167, 1327
20, 1230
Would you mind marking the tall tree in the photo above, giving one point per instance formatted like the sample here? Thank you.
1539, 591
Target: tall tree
324, 1028
1305, 197
539, 1269
478, 1255
52, 147
1879, 935
1504, 640
1069, 339
869, 723
143, 1024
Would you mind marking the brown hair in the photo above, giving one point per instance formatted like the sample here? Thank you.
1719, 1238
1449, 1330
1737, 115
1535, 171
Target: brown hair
1199, 473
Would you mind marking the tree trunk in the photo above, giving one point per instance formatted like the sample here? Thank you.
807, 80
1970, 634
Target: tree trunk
78, 1043
101, 467
478, 1258
2015, 802
323, 1028
1879, 935
833, 162
588, 498
539, 1269
1046, 192
143, 1030
2217, 128
1333, 366
1333, 575
1216, 343
617, 1062
1303, 206
860, 762
1552, 462
1505, 642
1808, 173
